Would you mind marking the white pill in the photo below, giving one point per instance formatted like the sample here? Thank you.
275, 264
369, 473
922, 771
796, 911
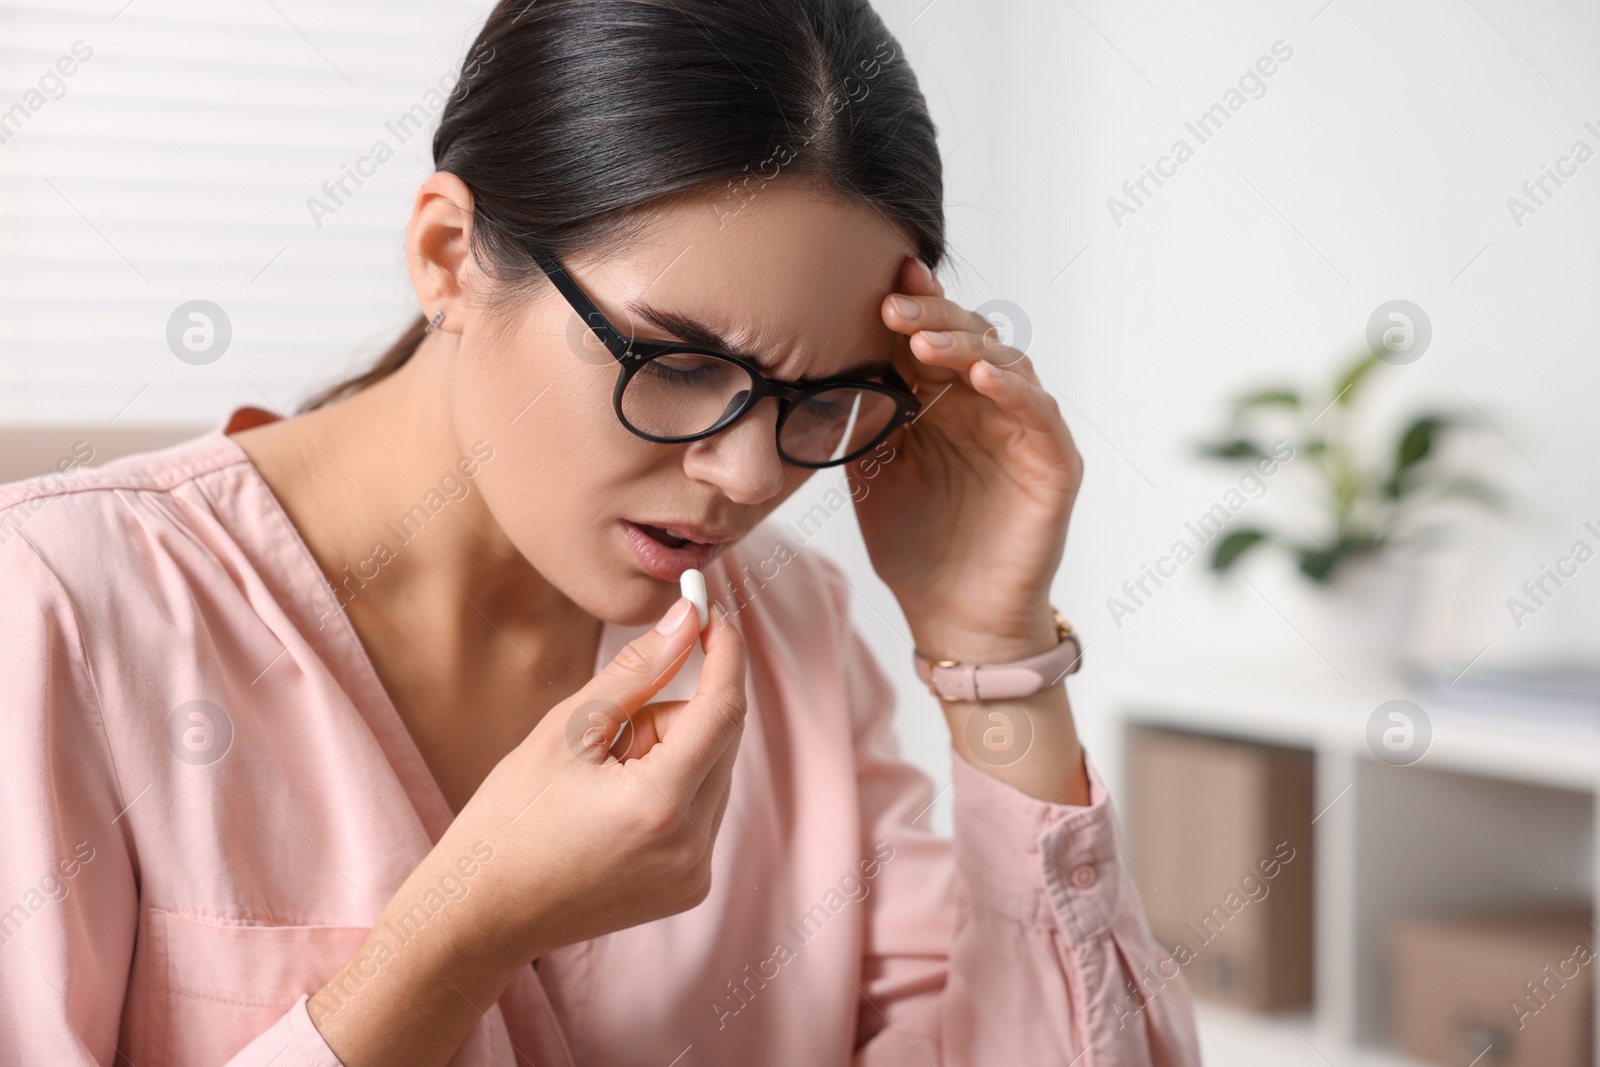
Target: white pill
693, 585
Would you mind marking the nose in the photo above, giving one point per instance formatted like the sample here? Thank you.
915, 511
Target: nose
742, 460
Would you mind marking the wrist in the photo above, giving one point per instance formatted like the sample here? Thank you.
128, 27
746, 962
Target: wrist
410, 991
950, 639
467, 891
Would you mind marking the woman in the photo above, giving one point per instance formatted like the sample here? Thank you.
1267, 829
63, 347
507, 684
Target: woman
381, 734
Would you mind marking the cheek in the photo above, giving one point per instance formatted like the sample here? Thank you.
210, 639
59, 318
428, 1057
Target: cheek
512, 378
548, 415
559, 469
558, 503
564, 471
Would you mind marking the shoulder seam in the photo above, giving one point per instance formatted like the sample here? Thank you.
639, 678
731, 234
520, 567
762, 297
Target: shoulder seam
164, 481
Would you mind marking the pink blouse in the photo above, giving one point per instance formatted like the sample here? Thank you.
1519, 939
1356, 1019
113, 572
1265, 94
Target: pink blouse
209, 798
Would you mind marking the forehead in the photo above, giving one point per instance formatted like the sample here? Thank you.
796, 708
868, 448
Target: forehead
791, 275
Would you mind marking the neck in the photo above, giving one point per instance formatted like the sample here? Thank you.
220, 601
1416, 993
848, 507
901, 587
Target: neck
361, 479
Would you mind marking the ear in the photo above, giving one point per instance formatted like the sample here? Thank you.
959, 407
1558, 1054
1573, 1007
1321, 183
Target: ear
438, 248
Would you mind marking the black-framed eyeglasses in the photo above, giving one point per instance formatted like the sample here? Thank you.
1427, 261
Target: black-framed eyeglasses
672, 392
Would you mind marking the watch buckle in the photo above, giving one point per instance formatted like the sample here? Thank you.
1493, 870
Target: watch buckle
933, 663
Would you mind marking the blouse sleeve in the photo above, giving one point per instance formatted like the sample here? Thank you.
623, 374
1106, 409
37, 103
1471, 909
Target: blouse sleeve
1021, 941
69, 897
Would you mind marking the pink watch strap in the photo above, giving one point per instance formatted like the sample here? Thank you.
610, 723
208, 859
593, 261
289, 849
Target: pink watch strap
1003, 681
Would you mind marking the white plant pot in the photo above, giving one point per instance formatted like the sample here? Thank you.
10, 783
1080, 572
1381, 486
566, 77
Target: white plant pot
1362, 620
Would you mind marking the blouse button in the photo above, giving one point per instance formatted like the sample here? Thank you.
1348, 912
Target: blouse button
1083, 876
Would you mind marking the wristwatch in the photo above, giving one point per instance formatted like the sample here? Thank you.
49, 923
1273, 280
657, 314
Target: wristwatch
949, 680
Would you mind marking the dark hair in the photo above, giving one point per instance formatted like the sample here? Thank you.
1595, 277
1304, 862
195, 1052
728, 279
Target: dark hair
573, 115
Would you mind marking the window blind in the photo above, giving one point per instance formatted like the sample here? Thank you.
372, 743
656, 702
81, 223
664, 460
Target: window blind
156, 153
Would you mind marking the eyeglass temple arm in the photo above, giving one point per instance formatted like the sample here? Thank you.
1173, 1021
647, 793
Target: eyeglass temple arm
912, 404
593, 316
619, 346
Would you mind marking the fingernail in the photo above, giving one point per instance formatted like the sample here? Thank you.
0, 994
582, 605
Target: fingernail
925, 272
938, 338
906, 306
675, 616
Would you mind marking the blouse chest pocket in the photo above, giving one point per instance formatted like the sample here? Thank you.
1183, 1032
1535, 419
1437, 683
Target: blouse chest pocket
215, 987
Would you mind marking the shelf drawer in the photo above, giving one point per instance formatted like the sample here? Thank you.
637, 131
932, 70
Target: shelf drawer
1222, 832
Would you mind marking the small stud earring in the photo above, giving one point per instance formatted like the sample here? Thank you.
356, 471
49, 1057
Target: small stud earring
433, 323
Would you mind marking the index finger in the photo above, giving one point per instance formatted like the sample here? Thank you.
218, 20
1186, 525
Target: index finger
933, 313
601, 710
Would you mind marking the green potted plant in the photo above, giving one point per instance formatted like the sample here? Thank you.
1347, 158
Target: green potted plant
1375, 501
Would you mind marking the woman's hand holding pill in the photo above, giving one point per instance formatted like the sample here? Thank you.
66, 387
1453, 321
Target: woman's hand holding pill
603, 818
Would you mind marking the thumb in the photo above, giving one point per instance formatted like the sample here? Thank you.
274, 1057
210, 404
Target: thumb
712, 720
599, 713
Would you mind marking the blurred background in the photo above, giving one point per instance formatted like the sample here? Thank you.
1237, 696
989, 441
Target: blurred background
1314, 282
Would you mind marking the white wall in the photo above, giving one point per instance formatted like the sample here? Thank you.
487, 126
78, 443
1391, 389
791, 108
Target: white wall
1376, 166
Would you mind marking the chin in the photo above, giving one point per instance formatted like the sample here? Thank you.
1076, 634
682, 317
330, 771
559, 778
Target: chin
617, 585
630, 597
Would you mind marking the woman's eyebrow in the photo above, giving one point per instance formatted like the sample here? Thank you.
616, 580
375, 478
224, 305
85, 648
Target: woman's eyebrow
694, 332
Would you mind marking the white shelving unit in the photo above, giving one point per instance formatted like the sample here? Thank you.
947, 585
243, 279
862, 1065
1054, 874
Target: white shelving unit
1497, 813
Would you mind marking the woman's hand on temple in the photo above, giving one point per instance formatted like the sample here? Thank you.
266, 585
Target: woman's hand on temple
966, 522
